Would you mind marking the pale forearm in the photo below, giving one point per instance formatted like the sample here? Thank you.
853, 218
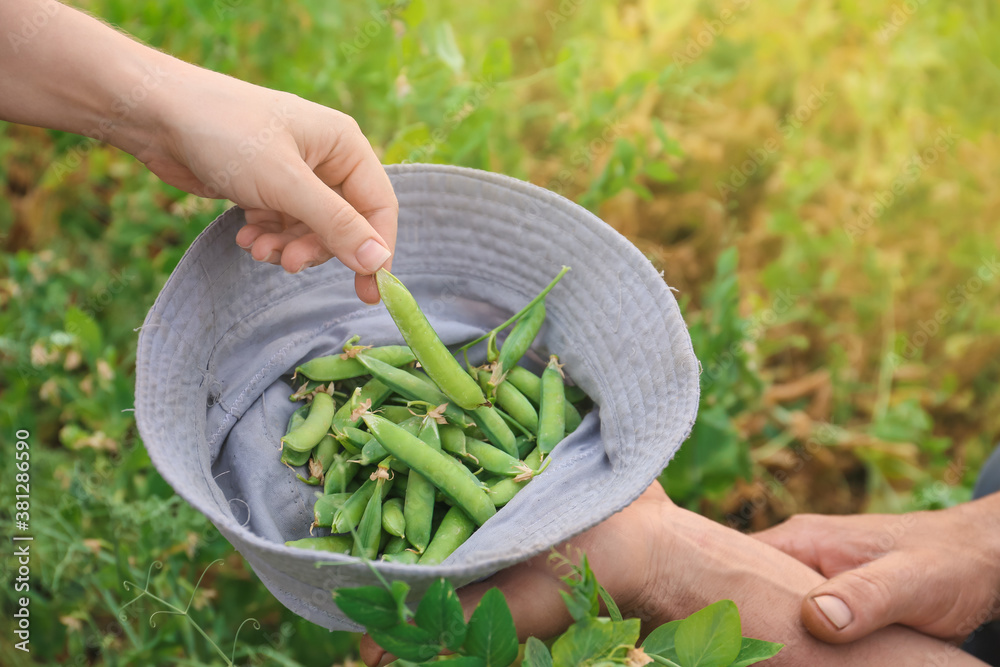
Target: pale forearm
63, 69
768, 587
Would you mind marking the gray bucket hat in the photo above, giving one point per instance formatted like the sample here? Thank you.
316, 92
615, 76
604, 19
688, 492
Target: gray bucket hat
218, 346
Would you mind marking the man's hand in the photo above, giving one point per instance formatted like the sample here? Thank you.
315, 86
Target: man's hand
661, 563
937, 572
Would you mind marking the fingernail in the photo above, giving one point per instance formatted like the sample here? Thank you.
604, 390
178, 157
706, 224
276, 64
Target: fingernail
305, 265
835, 610
372, 255
245, 247
273, 258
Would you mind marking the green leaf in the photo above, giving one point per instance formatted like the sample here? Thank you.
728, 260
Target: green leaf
592, 640
460, 661
660, 171
581, 599
497, 63
536, 654
491, 633
613, 611
661, 640
755, 650
440, 614
399, 590
83, 326
371, 606
442, 37
711, 637
407, 641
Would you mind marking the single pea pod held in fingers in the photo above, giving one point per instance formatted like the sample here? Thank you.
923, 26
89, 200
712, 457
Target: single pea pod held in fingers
425, 344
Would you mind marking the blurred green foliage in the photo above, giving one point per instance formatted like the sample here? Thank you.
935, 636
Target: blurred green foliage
776, 160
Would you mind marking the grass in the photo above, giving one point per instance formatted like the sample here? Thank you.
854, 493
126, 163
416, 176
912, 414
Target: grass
816, 180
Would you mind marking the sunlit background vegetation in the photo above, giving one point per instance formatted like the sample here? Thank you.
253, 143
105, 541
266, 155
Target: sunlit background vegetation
816, 179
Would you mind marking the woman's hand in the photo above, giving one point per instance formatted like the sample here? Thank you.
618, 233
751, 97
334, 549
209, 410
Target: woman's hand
937, 572
308, 179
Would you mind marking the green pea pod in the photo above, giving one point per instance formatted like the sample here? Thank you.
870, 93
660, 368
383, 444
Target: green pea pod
293, 458
405, 557
349, 514
353, 439
418, 508
289, 456
521, 336
433, 465
414, 388
492, 459
297, 418
526, 382
395, 413
340, 473
373, 451
551, 418
455, 528
316, 425
325, 451
504, 490
335, 367
574, 394
392, 517
373, 391
370, 529
513, 402
340, 544
453, 439
530, 385
468, 474
400, 483
326, 508
495, 428
524, 445
396, 544
432, 354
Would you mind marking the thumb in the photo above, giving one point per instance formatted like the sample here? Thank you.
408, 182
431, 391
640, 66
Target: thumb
858, 602
345, 233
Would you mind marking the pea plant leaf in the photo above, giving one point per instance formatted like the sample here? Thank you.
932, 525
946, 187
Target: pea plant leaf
407, 641
710, 637
591, 640
613, 611
86, 330
440, 614
491, 634
582, 598
661, 640
459, 661
755, 650
536, 654
372, 606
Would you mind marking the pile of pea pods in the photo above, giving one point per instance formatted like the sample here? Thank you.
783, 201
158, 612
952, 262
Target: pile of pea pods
420, 451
